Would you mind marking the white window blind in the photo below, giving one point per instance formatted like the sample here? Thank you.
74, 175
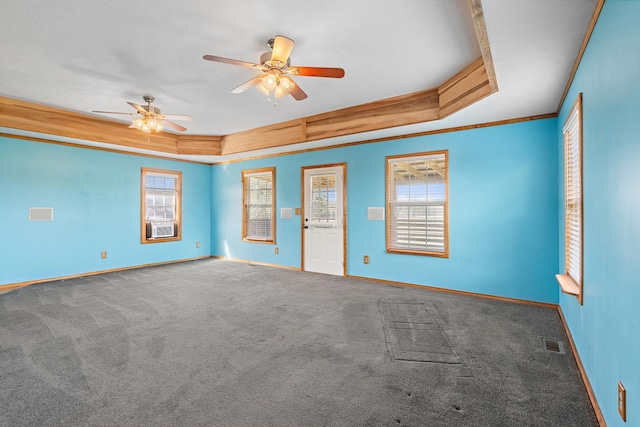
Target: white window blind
417, 204
259, 205
573, 194
160, 196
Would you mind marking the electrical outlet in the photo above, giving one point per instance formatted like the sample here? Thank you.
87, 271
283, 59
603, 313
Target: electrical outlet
197, 244
366, 259
103, 254
622, 401
276, 250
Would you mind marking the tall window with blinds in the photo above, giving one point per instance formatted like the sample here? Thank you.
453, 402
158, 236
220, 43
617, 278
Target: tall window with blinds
571, 281
259, 209
417, 205
161, 205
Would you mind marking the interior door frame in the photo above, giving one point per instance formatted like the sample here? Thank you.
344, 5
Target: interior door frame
343, 165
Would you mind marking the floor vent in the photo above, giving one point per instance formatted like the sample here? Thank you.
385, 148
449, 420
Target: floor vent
552, 345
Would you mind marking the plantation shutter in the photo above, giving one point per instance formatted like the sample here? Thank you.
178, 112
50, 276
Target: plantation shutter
573, 196
416, 198
258, 205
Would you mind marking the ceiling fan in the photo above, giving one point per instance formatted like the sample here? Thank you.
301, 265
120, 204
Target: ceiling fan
275, 67
150, 118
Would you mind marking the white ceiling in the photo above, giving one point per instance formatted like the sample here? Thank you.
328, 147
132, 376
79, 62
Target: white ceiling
85, 55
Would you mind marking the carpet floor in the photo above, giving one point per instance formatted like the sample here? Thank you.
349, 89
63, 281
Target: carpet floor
221, 343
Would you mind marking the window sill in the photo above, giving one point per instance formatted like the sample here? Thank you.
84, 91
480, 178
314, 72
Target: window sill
414, 252
568, 285
250, 240
161, 239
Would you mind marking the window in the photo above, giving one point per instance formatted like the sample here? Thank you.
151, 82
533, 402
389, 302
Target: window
571, 280
259, 209
322, 204
417, 212
161, 205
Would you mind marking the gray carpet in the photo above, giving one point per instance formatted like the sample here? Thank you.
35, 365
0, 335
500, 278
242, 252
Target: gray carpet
218, 343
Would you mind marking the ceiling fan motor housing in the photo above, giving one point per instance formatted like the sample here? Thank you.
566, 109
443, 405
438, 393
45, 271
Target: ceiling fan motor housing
265, 59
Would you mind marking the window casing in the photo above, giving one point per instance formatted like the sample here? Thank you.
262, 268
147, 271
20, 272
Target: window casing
571, 281
258, 205
161, 205
417, 204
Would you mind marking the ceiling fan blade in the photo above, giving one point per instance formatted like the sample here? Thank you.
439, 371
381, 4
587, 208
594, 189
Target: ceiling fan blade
336, 73
282, 47
137, 107
178, 117
229, 61
297, 93
114, 112
248, 84
173, 126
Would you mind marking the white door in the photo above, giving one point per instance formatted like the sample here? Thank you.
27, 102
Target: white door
323, 220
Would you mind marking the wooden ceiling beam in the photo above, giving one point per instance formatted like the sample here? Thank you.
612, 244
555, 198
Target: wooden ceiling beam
472, 83
22, 115
203, 145
285, 133
477, 15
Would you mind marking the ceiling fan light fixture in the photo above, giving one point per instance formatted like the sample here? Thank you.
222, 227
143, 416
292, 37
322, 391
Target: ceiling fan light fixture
263, 89
276, 68
152, 123
150, 118
279, 92
287, 84
138, 123
270, 81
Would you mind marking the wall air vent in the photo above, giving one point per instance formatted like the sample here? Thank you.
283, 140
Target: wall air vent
40, 214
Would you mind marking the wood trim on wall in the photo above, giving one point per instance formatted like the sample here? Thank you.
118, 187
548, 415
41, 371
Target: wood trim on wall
12, 286
583, 373
583, 47
393, 138
287, 153
456, 292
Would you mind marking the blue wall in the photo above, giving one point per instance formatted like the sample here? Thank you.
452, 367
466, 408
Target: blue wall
96, 200
606, 329
503, 211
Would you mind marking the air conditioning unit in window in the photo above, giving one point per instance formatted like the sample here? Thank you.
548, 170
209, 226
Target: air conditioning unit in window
162, 229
